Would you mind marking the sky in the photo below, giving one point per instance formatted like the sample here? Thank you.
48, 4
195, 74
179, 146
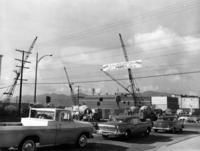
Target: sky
84, 35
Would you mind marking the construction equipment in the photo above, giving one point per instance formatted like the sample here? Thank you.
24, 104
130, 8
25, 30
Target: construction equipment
129, 70
71, 88
10, 91
106, 73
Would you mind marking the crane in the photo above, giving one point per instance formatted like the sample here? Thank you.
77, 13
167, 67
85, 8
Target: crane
70, 86
129, 70
106, 73
10, 91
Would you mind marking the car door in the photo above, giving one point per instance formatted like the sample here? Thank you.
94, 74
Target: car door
66, 128
178, 123
135, 125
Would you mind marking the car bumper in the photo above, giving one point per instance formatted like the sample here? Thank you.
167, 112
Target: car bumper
163, 128
110, 133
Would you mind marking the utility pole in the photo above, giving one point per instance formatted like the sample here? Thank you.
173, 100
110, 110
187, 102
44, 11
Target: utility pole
78, 95
10, 91
21, 77
129, 70
0, 64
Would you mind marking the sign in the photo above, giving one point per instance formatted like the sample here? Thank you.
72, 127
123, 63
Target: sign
122, 65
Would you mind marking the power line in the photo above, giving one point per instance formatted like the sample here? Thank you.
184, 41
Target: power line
152, 57
138, 51
100, 29
149, 68
122, 79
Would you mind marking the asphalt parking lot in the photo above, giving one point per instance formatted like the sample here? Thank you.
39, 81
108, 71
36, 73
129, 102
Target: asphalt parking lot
137, 143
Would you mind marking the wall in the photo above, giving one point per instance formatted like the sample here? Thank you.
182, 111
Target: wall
110, 102
164, 102
158, 100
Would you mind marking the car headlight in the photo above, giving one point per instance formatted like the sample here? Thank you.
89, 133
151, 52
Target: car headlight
117, 128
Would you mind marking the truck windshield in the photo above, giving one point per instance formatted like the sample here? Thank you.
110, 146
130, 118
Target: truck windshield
42, 114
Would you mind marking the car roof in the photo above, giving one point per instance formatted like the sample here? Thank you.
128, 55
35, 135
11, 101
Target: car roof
49, 109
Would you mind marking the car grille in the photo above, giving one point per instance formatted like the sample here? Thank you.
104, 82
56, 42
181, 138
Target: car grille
164, 124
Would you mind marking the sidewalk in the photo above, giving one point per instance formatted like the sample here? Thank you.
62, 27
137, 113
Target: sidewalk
192, 144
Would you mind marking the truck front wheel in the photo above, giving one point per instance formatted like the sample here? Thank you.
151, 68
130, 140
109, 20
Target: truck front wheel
147, 132
27, 145
127, 134
82, 141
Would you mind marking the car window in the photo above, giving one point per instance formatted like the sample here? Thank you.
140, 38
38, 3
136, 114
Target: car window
65, 116
167, 118
134, 121
42, 114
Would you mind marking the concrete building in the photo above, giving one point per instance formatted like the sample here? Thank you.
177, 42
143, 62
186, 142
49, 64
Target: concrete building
187, 102
109, 101
165, 102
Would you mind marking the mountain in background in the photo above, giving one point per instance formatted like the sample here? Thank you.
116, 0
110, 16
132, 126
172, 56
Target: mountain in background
58, 99
155, 93
65, 100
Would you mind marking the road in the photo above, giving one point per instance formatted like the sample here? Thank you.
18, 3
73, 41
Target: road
138, 143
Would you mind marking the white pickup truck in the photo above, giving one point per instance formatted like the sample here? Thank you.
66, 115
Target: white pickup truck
45, 126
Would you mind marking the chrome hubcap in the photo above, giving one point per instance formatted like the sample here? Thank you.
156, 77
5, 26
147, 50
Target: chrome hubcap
28, 146
83, 141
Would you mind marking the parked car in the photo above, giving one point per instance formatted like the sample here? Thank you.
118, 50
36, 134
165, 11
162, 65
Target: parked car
124, 126
46, 126
189, 119
168, 123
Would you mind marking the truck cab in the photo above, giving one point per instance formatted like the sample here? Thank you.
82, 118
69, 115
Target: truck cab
46, 126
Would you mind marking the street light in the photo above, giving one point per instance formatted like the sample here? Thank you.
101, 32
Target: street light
36, 68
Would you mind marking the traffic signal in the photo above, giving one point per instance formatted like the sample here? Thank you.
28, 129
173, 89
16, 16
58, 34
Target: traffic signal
101, 99
48, 99
118, 98
98, 103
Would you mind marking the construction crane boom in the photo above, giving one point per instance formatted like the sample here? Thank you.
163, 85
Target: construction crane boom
70, 86
129, 70
106, 73
10, 92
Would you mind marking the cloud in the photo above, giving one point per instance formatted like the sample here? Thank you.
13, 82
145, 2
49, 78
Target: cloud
72, 30
193, 93
163, 51
84, 55
166, 47
149, 88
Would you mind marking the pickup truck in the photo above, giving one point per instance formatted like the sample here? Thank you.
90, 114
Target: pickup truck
168, 123
45, 126
124, 126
